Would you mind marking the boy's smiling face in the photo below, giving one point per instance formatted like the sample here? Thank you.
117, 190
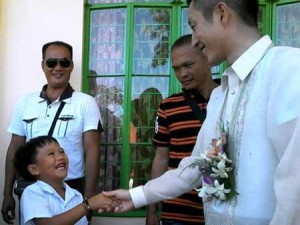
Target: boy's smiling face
51, 164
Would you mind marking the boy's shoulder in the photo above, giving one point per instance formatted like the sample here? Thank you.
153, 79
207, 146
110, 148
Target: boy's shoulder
39, 187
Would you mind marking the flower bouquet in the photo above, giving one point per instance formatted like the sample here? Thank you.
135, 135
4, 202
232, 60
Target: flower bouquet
217, 170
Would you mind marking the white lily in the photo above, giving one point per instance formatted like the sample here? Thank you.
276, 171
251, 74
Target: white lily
215, 165
206, 190
201, 191
221, 170
223, 156
219, 142
204, 156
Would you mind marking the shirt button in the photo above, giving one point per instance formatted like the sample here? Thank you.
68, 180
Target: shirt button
233, 92
47, 115
49, 107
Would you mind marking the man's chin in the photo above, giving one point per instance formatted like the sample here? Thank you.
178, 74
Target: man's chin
189, 88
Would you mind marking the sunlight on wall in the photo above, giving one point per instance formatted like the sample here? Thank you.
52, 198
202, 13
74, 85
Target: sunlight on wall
24, 27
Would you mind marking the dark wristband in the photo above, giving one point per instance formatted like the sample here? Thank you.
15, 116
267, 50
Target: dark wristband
87, 205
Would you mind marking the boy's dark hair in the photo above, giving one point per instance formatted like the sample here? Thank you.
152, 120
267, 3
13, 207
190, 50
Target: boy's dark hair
58, 43
181, 41
26, 155
246, 9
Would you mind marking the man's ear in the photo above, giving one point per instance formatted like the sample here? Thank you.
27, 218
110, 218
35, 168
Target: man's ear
42, 65
33, 170
72, 66
222, 12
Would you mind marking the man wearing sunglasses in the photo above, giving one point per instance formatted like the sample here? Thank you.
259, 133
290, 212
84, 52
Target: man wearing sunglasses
77, 127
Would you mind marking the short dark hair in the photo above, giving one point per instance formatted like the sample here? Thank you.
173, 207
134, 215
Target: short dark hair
26, 155
181, 41
58, 43
246, 9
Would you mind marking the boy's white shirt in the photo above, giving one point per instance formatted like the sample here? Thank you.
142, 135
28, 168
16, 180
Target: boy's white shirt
41, 200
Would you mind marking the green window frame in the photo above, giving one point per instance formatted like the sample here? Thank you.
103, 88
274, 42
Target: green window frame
126, 67
286, 22
131, 72
280, 19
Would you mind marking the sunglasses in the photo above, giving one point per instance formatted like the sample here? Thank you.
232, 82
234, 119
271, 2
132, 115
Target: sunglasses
52, 62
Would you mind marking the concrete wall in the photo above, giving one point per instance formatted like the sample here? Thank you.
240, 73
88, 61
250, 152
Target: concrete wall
25, 25
117, 221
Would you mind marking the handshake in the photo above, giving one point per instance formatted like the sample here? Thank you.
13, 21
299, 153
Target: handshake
112, 201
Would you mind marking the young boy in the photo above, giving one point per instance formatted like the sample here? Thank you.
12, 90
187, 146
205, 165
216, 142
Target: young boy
50, 200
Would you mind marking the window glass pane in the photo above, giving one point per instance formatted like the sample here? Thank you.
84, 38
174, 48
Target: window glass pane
147, 95
141, 163
288, 25
107, 41
109, 178
261, 14
215, 72
185, 28
108, 92
140, 84
151, 41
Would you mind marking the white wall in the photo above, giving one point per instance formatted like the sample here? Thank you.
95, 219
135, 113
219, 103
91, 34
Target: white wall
25, 25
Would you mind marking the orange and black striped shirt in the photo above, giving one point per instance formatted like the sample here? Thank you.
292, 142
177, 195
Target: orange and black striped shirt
177, 127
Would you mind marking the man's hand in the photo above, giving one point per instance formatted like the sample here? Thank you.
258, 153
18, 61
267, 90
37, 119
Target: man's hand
8, 209
152, 218
125, 203
9, 204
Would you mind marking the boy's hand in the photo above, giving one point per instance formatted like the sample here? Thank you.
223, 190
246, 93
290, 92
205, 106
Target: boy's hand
122, 199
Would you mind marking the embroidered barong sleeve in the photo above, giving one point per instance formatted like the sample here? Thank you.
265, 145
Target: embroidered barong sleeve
287, 185
284, 132
170, 185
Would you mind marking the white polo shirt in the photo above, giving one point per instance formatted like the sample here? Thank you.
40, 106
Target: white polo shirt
33, 117
40, 200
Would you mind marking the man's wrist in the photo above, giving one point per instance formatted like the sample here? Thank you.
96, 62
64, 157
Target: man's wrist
8, 191
152, 208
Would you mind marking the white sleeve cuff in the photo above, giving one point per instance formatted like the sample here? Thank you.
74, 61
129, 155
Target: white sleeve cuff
138, 197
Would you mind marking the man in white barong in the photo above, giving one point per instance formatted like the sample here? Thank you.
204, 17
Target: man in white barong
258, 107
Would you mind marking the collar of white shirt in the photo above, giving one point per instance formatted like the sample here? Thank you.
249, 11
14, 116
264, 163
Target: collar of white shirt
243, 66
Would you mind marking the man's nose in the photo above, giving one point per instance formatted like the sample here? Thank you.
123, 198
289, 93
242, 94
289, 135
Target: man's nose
194, 40
60, 155
58, 66
182, 72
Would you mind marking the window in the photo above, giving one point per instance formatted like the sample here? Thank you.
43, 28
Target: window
127, 69
287, 23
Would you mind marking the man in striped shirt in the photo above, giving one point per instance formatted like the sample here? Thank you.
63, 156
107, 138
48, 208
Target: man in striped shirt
177, 124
